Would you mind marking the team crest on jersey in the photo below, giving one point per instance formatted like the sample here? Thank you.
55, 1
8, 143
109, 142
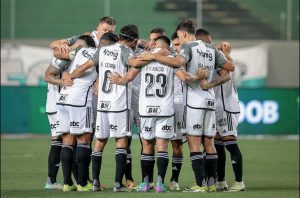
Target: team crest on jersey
63, 97
152, 110
104, 105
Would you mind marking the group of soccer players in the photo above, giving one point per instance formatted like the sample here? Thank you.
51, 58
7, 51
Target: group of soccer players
100, 84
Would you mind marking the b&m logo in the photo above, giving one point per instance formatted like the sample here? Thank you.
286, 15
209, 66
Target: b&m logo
254, 112
152, 110
104, 105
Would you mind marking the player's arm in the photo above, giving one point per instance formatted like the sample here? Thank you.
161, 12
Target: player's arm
63, 45
51, 76
223, 77
136, 62
80, 70
175, 62
225, 47
116, 78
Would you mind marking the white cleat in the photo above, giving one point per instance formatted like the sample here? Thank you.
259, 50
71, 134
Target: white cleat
236, 187
174, 185
221, 186
54, 186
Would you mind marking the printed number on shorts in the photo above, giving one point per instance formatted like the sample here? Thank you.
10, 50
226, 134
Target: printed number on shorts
151, 80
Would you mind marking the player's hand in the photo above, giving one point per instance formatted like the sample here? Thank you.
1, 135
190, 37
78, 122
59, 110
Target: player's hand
63, 48
66, 79
163, 52
146, 56
115, 78
226, 47
202, 73
204, 84
143, 44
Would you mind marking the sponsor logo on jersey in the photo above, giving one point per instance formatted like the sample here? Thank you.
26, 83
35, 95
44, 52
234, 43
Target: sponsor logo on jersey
207, 54
180, 125
153, 110
53, 126
98, 128
104, 105
74, 124
166, 128
114, 53
213, 126
148, 129
113, 127
86, 54
63, 97
197, 126
209, 103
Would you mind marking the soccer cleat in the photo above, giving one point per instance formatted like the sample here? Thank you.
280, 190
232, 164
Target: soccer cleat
221, 186
211, 188
68, 188
143, 187
237, 186
151, 186
161, 187
122, 188
86, 188
195, 188
54, 186
174, 185
130, 184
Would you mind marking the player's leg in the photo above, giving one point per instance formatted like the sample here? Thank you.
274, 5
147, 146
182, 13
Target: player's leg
164, 131
102, 135
194, 125
209, 131
120, 129
221, 183
147, 158
54, 154
230, 142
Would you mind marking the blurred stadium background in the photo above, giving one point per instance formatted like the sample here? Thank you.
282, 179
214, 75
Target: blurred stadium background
265, 38
264, 34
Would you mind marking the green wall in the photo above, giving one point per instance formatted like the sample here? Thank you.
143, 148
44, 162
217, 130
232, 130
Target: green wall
266, 111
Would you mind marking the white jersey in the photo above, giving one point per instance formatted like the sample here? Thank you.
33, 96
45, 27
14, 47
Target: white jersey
157, 90
199, 54
80, 92
93, 34
178, 91
227, 97
53, 90
112, 58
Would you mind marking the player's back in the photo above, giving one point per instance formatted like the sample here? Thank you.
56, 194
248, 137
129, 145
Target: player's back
112, 97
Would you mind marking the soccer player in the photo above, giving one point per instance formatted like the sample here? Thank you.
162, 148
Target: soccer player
227, 112
52, 76
200, 120
156, 107
113, 102
74, 113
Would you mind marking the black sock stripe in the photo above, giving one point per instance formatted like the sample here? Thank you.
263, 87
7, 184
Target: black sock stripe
230, 142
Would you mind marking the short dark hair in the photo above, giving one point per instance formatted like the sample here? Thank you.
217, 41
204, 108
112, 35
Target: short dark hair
174, 36
186, 25
88, 40
202, 31
129, 32
159, 30
111, 37
108, 19
165, 39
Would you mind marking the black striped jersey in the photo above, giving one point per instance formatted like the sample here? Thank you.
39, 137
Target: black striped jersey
201, 55
112, 58
80, 92
53, 90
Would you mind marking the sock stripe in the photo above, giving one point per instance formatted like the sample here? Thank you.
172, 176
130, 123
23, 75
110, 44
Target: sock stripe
196, 157
219, 142
121, 151
148, 157
68, 146
229, 142
212, 156
84, 146
177, 160
98, 154
129, 156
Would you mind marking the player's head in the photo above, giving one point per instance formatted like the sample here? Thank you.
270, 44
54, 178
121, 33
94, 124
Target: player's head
154, 33
175, 42
185, 31
162, 42
84, 41
106, 24
129, 34
203, 34
108, 38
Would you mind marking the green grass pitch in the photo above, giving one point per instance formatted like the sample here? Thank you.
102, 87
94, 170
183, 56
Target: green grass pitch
271, 169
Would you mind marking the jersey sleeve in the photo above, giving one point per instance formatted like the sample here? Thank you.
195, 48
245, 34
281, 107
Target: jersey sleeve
72, 39
220, 58
73, 53
126, 53
95, 58
60, 65
186, 52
